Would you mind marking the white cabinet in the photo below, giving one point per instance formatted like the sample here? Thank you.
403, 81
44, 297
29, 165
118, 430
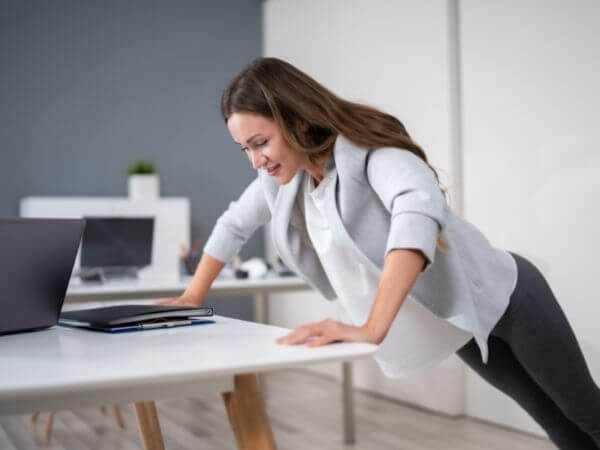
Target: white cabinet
171, 223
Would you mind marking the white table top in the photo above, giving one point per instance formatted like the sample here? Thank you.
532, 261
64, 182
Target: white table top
64, 367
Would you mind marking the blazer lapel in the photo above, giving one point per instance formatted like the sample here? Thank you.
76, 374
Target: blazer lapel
283, 235
287, 239
348, 159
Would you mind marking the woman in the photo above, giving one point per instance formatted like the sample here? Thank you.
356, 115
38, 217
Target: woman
357, 210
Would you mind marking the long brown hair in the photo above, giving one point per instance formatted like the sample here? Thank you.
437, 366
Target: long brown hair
310, 116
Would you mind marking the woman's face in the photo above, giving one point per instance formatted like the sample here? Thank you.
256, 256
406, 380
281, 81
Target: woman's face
261, 139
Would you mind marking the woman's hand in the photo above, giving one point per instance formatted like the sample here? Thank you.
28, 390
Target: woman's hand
328, 331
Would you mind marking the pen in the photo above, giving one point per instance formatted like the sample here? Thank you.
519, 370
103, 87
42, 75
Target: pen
165, 324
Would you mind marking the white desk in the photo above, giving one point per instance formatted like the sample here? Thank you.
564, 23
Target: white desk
258, 288
63, 368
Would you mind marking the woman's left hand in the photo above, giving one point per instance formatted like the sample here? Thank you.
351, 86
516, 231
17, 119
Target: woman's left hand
327, 331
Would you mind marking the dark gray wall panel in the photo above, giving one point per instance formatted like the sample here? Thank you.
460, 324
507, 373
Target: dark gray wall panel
87, 86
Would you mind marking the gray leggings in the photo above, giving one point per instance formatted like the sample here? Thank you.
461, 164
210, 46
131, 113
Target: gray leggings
535, 359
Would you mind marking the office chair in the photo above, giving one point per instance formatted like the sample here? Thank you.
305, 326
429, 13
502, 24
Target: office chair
51, 414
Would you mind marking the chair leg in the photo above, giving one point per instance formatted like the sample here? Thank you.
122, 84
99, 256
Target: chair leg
32, 423
49, 423
119, 417
50, 420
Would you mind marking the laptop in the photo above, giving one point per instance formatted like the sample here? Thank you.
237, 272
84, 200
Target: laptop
36, 261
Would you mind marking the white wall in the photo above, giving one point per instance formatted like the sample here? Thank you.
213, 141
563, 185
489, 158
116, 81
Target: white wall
393, 55
530, 145
531, 105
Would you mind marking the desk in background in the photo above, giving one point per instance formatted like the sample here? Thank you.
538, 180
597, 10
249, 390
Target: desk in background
149, 289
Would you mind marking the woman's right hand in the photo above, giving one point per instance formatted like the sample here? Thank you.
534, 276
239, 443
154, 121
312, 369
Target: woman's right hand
194, 295
178, 301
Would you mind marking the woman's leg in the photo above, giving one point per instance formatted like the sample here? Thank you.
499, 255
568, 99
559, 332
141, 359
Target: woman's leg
539, 335
505, 372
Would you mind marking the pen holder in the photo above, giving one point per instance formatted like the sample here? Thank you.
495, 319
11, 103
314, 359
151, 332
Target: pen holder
190, 263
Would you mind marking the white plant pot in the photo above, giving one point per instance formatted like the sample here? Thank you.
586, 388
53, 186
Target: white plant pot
143, 187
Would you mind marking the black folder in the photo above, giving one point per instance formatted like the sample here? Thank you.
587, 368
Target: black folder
135, 317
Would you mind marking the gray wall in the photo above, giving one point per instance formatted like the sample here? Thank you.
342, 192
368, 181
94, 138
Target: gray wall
87, 86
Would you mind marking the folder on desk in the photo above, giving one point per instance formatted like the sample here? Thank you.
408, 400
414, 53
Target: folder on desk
122, 318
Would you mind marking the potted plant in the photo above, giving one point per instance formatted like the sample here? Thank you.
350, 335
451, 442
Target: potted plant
143, 182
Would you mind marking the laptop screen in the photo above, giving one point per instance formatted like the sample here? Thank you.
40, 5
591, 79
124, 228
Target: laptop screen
36, 257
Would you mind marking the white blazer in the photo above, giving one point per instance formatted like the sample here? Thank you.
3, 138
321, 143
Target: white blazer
383, 199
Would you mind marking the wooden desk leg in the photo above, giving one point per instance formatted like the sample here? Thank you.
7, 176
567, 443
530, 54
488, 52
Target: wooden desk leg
229, 400
149, 427
247, 415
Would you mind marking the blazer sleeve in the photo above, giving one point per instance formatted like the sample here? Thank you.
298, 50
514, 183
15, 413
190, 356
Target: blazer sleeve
238, 223
410, 192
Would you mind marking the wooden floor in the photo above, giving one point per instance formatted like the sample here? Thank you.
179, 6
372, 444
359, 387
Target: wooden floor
305, 413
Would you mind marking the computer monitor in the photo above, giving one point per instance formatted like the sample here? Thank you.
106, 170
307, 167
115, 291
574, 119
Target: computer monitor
117, 243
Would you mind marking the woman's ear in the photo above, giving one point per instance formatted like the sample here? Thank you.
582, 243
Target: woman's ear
300, 130
303, 125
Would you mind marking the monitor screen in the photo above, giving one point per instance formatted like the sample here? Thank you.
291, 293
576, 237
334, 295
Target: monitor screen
117, 242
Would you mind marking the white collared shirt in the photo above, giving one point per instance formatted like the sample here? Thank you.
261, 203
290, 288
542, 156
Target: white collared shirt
417, 338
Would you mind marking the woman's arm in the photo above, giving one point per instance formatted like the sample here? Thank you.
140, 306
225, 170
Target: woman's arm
401, 269
205, 274
409, 191
233, 228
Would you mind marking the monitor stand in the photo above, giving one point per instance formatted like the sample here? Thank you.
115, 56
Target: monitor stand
124, 272
108, 274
